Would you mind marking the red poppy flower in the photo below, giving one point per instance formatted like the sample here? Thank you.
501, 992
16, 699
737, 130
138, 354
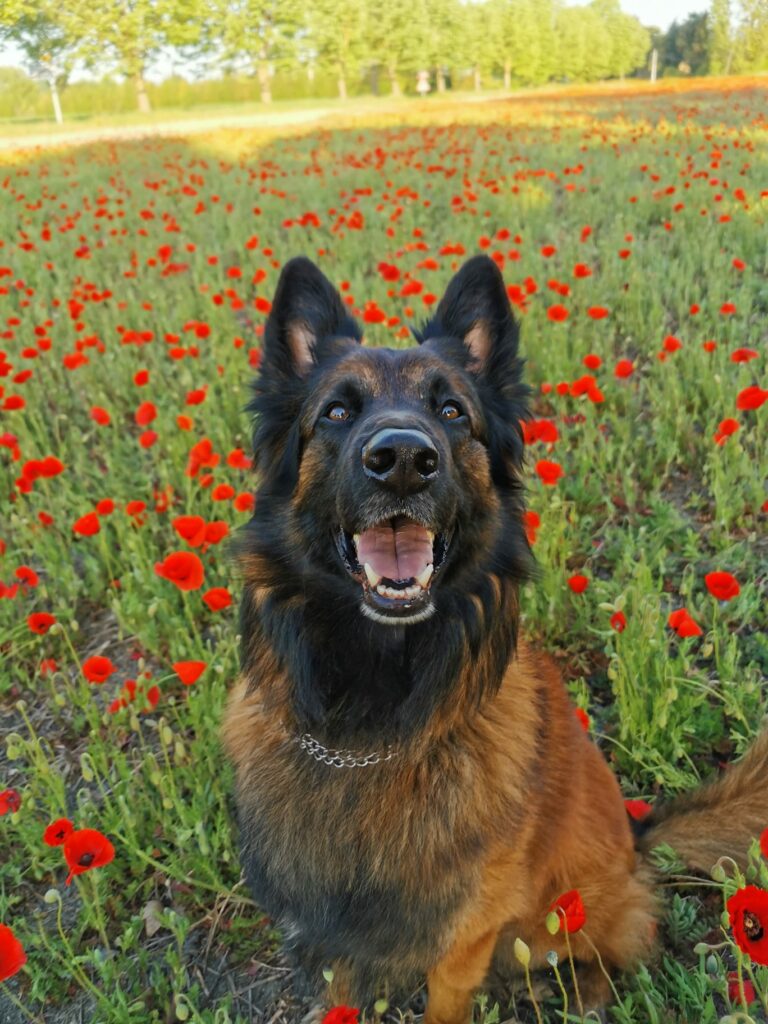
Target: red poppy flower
578, 583
182, 568
598, 312
191, 529
618, 622
237, 459
57, 832
531, 522
105, 507
549, 472
683, 624
223, 492
624, 368
87, 525
97, 669
722, 585
751, 397
85, 849
583, 718
748, 916
570, 910
216, 531
764, 843
342, 1015
27, 576
558, 313
637, 809
100, 416
145, 413
12, 955
743, 355
672, 344
10, 802
40, 622
244, 502
189, 671
217, 598
734, 992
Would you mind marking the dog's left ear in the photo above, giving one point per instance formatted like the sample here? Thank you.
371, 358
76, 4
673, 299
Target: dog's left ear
476, 310
307, 315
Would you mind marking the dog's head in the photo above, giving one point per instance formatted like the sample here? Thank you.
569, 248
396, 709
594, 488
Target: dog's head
389, 478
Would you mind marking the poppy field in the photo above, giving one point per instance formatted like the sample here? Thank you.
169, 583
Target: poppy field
135, 280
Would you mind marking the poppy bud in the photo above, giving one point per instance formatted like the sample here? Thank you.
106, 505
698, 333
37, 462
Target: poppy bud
552, 921
522, 952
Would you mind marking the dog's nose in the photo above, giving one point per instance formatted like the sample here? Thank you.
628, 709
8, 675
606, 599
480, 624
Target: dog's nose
404, 461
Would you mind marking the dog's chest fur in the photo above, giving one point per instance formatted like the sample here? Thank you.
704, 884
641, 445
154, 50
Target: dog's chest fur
366, 864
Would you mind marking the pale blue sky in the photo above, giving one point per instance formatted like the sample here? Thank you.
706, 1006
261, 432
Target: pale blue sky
660, 13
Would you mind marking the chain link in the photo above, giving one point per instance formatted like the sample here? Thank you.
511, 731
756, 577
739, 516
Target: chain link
341, 758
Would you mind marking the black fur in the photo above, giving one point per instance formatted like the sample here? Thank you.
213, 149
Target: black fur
354, 678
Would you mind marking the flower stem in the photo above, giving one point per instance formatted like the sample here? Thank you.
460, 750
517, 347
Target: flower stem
536, 1009
576, 991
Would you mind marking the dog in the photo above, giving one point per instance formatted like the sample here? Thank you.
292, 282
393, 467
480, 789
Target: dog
413, 787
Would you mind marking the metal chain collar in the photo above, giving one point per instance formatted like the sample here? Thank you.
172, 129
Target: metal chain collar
341, 758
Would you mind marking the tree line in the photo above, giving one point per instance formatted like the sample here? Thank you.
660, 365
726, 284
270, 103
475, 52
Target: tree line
520, 42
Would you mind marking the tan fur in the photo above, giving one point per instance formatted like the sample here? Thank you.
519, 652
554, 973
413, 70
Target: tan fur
525, 773
720, 819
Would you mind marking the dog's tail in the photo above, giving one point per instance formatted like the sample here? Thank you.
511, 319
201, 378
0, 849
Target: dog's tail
719, 819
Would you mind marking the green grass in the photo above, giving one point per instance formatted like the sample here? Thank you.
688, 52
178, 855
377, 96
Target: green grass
648, 503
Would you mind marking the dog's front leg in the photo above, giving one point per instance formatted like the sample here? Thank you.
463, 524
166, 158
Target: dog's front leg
452, 982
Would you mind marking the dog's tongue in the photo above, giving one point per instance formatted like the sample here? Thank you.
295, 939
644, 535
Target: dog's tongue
401, 551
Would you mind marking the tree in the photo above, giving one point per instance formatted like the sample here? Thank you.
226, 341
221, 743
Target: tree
477, 48
686, 45
129, 33
257, 35
397, 31
751, 49
35, 27
720, 37
336, 36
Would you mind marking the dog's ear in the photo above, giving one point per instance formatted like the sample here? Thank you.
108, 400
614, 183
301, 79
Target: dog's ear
307, 315
475, 309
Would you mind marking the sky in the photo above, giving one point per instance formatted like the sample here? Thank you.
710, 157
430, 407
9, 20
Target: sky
658, 13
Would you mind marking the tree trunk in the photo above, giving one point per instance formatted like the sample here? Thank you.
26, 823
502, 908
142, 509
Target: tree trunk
265, 88
440, 80
507, 75
342, 83
478, 80
145, 107
56, 103
394, 81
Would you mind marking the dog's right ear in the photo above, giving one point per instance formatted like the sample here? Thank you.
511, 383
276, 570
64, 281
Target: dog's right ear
307, 314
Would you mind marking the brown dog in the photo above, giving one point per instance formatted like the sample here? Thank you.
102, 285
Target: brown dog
413, 787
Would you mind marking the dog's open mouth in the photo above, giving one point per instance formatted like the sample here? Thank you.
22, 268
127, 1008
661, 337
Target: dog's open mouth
395, 561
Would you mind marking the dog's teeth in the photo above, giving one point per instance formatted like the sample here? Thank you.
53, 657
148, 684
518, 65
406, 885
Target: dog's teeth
425, 576
356, 539
381, 589
373, 577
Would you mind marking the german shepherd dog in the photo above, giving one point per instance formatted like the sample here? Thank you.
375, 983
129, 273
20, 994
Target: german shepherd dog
413, 786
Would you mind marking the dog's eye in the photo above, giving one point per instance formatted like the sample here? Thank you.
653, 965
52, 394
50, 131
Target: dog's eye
451, 411
337, 412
